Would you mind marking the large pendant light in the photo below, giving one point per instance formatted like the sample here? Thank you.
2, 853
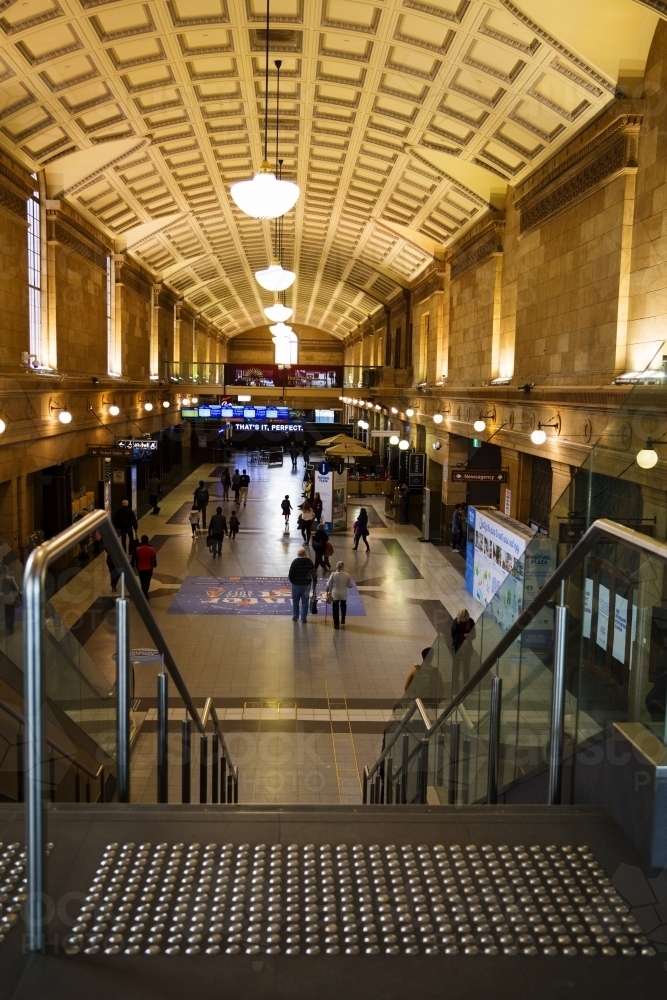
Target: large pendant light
281, 330
265, 196
275, 278
278, 312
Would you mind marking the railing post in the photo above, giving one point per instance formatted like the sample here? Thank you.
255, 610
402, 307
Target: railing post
186, 757
34, 744
101, 784
20, 767
454, 739
388, 780
236, 785
422, 774
494, 741
378, 788
123, 692
465, 771
162, 725
558, 702
223, 779
203, 768
364, 786
230, 785
405, 752
215, 762
371, 792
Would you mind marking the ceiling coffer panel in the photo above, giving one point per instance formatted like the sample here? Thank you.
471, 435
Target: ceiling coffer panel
383, 104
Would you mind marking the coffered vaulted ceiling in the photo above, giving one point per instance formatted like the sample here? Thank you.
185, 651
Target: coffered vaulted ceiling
400, 120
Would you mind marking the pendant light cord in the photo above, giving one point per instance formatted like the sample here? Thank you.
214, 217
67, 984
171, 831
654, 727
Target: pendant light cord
266, 90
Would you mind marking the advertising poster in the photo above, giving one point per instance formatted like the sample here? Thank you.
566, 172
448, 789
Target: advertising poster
539, 564
588, 608
339, 500
324, 486
620, 628
496, 544
602, 637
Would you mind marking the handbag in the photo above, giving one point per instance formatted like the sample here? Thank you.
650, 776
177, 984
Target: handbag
329, 597
328, 549
313, 604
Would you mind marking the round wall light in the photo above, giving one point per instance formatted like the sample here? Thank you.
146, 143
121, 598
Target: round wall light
394, 439
404, 445
480, 426
647, 458
538, 436
409, 412
437, 418
114, 410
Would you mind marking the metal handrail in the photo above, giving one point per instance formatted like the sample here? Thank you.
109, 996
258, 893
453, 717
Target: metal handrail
210, 712
599, 530
34, 593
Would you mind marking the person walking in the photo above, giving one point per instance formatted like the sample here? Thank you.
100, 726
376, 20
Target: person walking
307, 517
193, 518
463, 633
456, 526
286, 508
201, 499
114, 572
226, 481
293, 454
243, 490
302, 575
320, 539
405, 504
316, 504
146, 561
217, 530
337, 587
236, 484
361, 530
125, 523
154, 491
234, 525
10, 596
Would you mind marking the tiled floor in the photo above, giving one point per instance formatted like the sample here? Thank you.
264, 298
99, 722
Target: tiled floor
332, 691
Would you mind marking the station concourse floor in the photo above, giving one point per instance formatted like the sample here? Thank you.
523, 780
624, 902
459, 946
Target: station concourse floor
303, 707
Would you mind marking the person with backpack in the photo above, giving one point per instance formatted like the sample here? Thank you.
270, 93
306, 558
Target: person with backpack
286, 508
234, 525
217, 530
201, 499
236, 485
226, 481
302, 576
456, 526
361, 530
193, 518
145, 560
337, 587
320, 543
243, 490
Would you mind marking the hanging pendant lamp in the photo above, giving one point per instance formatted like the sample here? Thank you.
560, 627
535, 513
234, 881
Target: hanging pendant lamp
281, 330
278, 313
265, 196
275, 278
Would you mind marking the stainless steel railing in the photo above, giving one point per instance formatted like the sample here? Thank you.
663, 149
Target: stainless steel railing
375, 780
34, 593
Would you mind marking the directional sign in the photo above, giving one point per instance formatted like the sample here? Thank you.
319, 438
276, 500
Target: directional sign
417, 470
479, 475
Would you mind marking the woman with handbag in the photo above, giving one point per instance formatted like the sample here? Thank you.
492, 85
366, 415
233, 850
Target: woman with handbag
337, 587
146, 561
306, 517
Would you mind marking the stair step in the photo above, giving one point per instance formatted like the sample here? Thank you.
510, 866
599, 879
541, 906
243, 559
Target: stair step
345, 898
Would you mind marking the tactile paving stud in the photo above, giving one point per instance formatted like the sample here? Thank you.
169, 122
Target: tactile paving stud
350, 900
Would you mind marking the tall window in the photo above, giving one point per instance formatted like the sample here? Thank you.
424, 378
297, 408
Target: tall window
109, 329
34, 277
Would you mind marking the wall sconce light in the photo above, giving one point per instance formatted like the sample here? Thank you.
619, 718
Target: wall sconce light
437, 445
166, 404
394, 410
539, 435
394, 440
409, 412
438, 417
403, 445
647, 458
147, 405
64, 416
3, 425
113, 409
195, 399
363, 424
480, 423
185, 401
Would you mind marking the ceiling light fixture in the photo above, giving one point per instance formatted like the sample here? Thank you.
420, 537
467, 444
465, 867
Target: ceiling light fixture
281, 330
265, 196
278, 313
275, 278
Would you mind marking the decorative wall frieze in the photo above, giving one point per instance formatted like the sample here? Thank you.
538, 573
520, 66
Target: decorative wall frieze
608, 153
127, 274
74, 236
433, 282
659, 6
481, 245
13, 203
